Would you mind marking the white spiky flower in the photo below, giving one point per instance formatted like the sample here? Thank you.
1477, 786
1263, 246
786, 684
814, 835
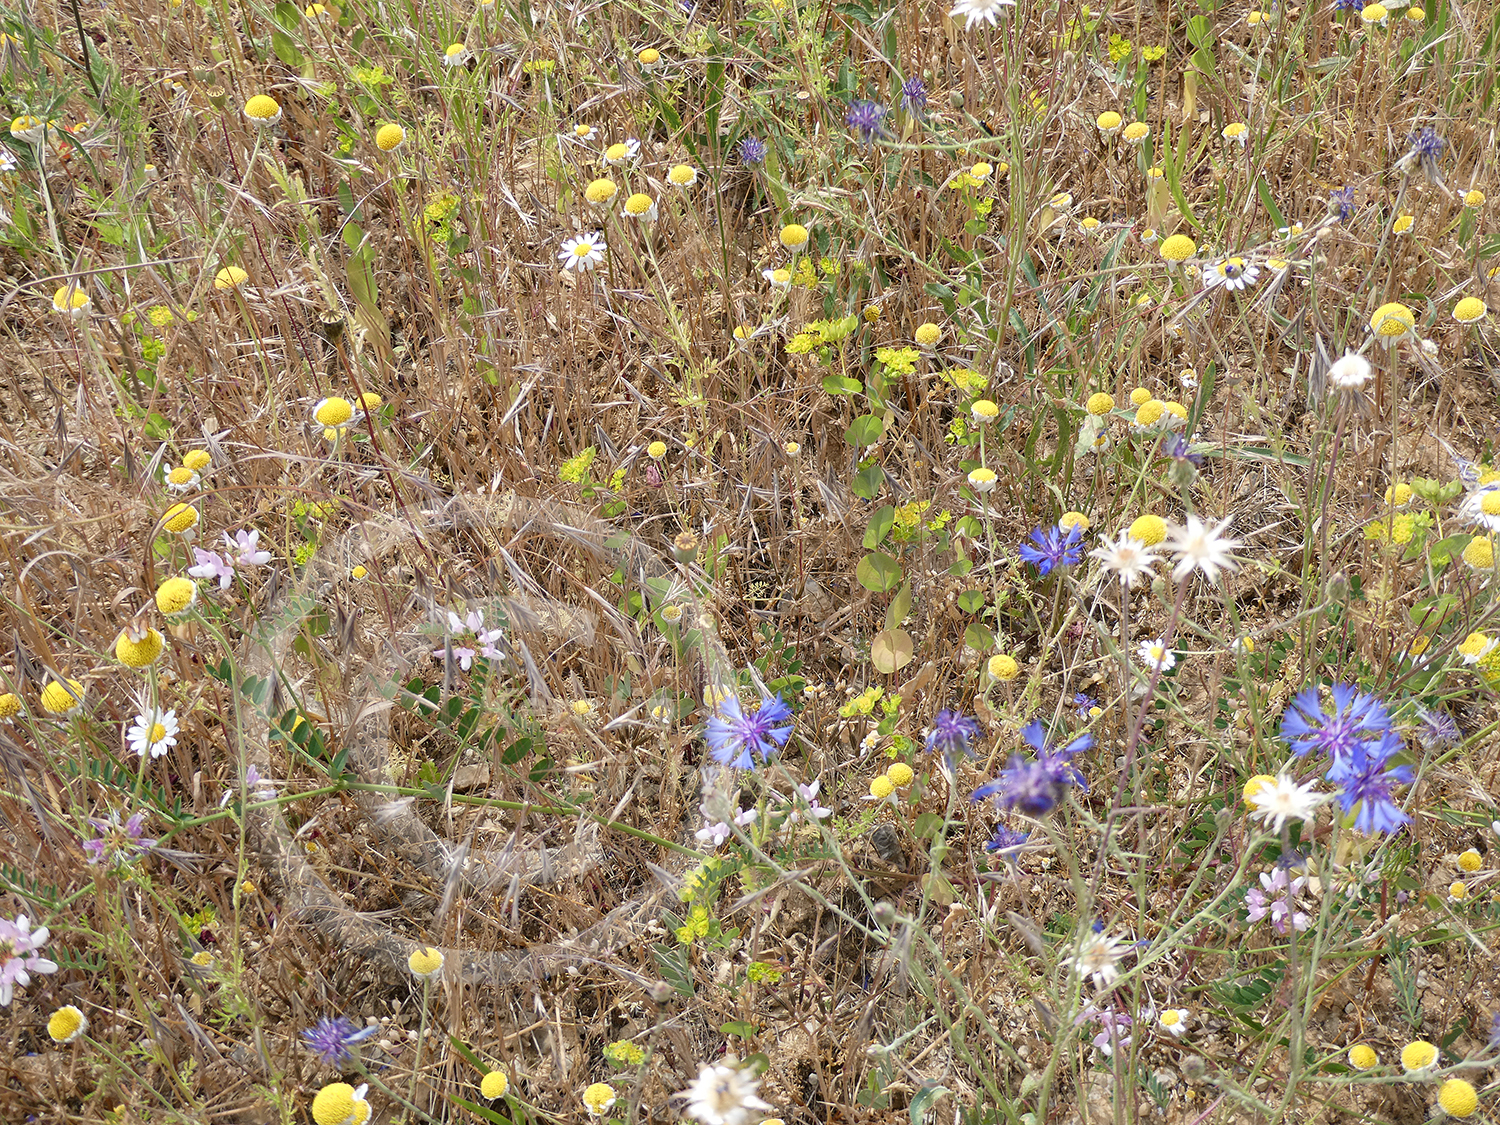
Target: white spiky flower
980, 11
1279, 801
723, 1095
1128, 558
1098, 958
1202, 547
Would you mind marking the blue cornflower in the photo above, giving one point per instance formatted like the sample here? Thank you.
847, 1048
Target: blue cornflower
952, 732
1006, 839
1366, 785
1427, 144
1343, 200
734, 737
1054, 547
1357, 718
1347, 5
865, 119
752, 150
1035, 786
914, 94
330, 1039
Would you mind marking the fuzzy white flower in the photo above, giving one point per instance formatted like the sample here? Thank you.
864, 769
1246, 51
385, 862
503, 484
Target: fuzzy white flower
1279, 801
582, 253
723, 1095
980, 11
1199, 546
1173, 1021
1350, 372
1231, 273
1128, 558
153, 730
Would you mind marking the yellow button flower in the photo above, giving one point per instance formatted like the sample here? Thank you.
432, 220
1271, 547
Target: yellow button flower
1392, 321
494, 1085
1469, 310
425, 963
1109, 122
141, 649
196, 460
1004, 668
1100, 403
1177, 249
230, 277
928, 334
1362, 1056
900, 774
180, 519
1140, 396
388, 138
67, 1024
10, 706
1470, 861
176, 595
794, 236
598, 1098
60, 699
1149, 529
1418, 1055
1457, 1098
263, 111
881, 787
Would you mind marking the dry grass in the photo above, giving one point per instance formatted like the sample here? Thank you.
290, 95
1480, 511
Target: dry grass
536, 816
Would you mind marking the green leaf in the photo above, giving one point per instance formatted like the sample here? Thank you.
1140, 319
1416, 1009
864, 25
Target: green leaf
285, 49
899, 608
971, 601
927, 825
1269, 203
864, 431
880, 526
289, 16
866, 483
841, 385
516, 751
878, 572
978, 636
741, 1028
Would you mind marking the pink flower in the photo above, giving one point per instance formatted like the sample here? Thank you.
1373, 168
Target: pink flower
469, 628
245, 549
212, 565
18, 956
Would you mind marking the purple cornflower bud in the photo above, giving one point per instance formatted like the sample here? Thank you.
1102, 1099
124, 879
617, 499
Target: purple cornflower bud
752, 150
914, 95
865, 119
331, 1039
1343, 201
952, 733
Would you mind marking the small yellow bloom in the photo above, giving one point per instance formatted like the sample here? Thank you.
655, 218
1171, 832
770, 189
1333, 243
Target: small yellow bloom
1108, 122
333, 411
180, 519
1474, 198
1236, 131
230, 277
1458, 1098
425, 963
388, 138
980, 172
649, 59
60, 699
494, 1085
794, 236
1100, 403
1470, 861
598, 1098
1480, 553
982, 479
1416, 15
1362, 1056
1140, 396
1399, 495
67, 1024
370, 401
358, 572
139, 651
900, 774
1403, 224
1374, 14
1004, 668
881, 787
600, 192
682, 175
657, 450
1469, 310
1392, 321
984, 411
72, 301
176, 595
1177, 249
640, 206
1418, 1055
196, 460
1149, 529
10, 706
928, 334
263, 111
340, 1104
1457, 891
1069, 520
1150, 412
1137, 131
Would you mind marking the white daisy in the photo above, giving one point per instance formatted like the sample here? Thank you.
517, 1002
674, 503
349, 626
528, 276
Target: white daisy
1231, 273
623, 152
1482, 507
1098, 958
180, 479
1173, 1021
980, 11
1157, 656
153, 730
1129, 558
1199, 546
723, 1095
582, 253
1282, 800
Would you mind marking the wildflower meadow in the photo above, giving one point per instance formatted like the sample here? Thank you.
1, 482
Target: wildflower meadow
780, 561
